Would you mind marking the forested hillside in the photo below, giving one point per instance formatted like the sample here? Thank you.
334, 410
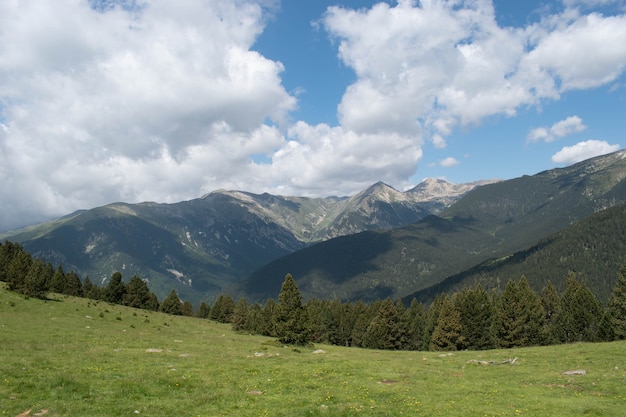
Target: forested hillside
592, 249
470, 319
490, 222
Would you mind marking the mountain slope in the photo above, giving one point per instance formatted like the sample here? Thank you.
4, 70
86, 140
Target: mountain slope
201, 246
374, 264
593, 248
488, 222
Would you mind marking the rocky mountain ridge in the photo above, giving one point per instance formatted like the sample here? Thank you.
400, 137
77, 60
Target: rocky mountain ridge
202, 246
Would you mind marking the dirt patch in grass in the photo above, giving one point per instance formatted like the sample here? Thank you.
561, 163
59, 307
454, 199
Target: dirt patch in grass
388, 382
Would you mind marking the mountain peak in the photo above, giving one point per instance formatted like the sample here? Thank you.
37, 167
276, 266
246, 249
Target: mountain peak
380, 191
437, 188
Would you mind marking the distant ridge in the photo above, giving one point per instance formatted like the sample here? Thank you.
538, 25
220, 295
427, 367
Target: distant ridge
489, 222
203, 246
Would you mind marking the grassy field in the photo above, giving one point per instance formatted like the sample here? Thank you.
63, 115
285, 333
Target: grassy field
77, 357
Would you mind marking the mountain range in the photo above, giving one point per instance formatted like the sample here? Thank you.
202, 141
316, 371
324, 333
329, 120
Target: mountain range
491, 222
378, 243
202, 247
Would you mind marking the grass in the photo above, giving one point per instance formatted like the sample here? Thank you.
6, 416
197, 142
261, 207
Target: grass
77, 357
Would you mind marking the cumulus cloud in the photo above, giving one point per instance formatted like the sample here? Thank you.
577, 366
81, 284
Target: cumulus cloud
113, 100
583, 150
448, 162
443, 63
117, 101
566, 127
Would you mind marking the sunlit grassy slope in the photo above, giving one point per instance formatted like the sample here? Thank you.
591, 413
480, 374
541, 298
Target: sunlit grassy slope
76, 357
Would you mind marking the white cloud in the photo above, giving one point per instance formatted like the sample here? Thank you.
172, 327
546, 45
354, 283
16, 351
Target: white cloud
438, 141
583, 150
100, 105
419, 65
566, 127
448, 162
167, 101
589, 3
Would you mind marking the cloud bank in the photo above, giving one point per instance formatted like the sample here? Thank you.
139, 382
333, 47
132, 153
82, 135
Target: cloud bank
103, 101
583, 150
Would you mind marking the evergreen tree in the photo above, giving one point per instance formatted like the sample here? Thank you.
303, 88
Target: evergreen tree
289, 315
240, 315
186, 309
203, 311
267, 327
519, 318
347, 314
171, 304
153, 302
115, 289
432, 317
35, 282
364, 316
616, 307
447, 334
319, 320
58, 281
581, 313
385, 329
222, 309
8, 252
18, 266
477, 312
415, 319
136, 294
89, 289
254, 320
551, 302
73, 286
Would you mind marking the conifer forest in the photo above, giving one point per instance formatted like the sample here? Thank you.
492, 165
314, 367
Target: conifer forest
469, 319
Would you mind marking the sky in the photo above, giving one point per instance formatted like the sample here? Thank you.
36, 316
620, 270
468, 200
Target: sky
154, 100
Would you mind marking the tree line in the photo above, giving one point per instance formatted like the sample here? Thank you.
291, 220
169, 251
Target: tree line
471, 319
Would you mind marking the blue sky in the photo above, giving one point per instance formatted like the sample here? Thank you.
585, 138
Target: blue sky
118, 100
294, 36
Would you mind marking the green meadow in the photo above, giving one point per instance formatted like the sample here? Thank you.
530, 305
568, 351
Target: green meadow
77, 357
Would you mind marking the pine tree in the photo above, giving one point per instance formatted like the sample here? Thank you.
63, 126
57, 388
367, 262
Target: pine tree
186, 309
254, 321
222, 309
385, 329
289, 315
616, 308
171, 304
137, 293
153, 302
477, 314
8, 252
551, 302
58, 281
35, 282
89, 289
365, 315
320, 320
240, 315
447, 334
203, 311
267, 327
115, 289
432, 317
18, 266
415, 319
519, 317
73, 286
581, 313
